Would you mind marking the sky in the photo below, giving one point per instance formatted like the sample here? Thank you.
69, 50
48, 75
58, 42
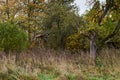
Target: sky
82, 4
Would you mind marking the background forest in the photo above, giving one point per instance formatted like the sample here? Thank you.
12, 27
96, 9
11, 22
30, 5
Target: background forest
49, 40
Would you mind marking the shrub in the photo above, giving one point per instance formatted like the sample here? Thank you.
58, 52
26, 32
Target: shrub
12, 38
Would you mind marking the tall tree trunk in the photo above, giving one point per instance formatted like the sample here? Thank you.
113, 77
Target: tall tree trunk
93, 49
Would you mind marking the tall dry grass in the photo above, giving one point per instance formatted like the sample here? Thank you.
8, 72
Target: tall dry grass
61, 63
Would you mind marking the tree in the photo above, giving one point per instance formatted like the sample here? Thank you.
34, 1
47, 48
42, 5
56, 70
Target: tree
29, 17
12, 38
90, 30
25, 13
61, 20
100, 29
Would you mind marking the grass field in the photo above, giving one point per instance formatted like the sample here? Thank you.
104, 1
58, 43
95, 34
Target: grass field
60, 65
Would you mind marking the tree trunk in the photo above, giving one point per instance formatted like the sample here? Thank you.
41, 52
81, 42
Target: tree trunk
93, 49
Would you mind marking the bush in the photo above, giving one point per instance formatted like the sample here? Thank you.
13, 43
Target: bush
12, 38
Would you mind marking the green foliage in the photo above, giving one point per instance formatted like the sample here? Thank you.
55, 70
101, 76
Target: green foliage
106, 29
12, 38
61, 21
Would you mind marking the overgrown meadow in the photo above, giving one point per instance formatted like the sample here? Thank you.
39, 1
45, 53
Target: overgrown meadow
50, 40
60, 65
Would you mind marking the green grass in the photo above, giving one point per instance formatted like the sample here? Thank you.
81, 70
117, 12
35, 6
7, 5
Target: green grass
45, 77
